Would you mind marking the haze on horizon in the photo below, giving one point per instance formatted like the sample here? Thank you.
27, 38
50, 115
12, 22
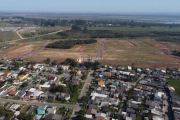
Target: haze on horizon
92, 6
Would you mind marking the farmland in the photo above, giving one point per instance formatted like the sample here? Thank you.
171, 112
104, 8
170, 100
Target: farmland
175, 84
153, 28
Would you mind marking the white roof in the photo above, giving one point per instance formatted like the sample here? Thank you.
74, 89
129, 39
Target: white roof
17, 113
100, 114
159, 94
171, 88
88, 116
157, 118
32, 90
37, 93
129, 68
164, 71
93, 95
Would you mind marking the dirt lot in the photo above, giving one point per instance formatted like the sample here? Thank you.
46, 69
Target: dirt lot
138, 50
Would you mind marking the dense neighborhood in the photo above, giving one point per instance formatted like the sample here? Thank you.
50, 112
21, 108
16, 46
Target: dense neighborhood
50, 90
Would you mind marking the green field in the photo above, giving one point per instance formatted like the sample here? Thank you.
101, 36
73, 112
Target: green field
8, 35
175, 84
153, 28
3, 24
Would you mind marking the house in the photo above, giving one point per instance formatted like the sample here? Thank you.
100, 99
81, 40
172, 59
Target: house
75, 80
158, 95
176, 115
52, 78
41, 109
51, 110
14, 76
101, 83
14, 107
37, 117
102, 74
94, 95
53, 117
108, 74
22, 77
100, 116
2, 90
65, 67
12, 93
91, 111
20, 94
31, 110
64, 96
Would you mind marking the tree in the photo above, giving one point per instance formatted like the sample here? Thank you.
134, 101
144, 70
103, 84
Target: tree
79, 117
54, 62
60, 71
2, 113
25, 84
47, 61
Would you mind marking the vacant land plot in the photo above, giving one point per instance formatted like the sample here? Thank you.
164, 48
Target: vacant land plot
153, 28
137, 50
175, 84
6, 36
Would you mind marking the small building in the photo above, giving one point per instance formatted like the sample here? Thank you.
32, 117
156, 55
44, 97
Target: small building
51, 110
12, 93
41, 110
101, 83
53, 117
22, 77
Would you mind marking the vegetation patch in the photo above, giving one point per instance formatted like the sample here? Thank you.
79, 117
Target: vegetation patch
67, 44
175, 84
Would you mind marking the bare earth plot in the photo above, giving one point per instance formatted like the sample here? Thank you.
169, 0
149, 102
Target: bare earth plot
143, 52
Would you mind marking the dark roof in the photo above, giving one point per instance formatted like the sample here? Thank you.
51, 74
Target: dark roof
20, 94
53, 117
129, 110
133, 116
176, 115
93, 106
31, 109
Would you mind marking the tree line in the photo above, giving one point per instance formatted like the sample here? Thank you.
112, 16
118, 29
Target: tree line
67, 44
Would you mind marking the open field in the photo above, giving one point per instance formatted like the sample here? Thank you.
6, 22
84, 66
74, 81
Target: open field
175, 84
42, 31
138, 50
142, 52
153, 28
3, 24
6, 36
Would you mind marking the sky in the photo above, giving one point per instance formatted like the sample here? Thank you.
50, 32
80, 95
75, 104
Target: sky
91, 6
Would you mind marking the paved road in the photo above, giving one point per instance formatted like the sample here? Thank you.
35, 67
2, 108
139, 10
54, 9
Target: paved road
86, 84
38, 103
100, 51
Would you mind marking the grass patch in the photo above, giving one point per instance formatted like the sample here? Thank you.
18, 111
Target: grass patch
3, 24
8, 35
175, 84
25, 108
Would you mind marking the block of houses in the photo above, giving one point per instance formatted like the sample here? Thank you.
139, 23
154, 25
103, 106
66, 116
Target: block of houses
41, 110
